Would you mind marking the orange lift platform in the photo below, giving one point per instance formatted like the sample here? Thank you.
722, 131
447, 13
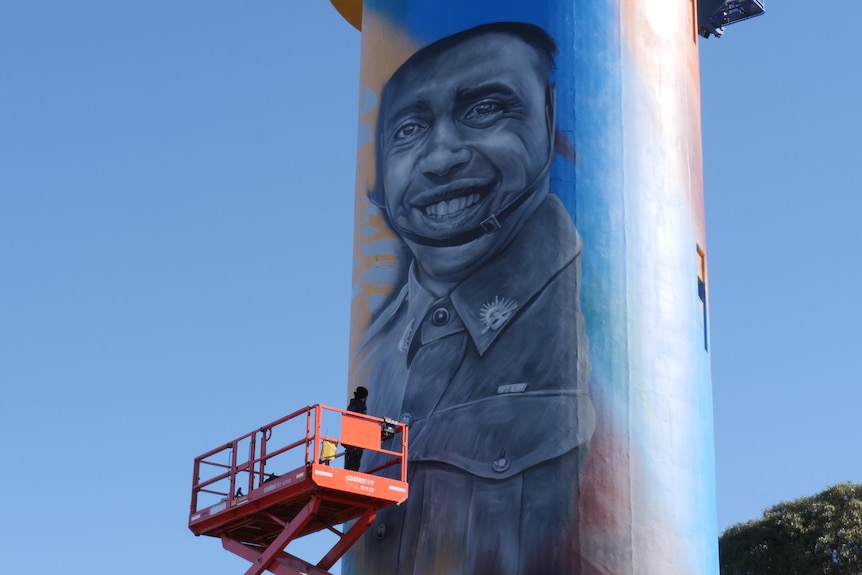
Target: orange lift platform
285, 480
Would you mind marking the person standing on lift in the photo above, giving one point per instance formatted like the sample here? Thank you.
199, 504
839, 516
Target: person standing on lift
353, 455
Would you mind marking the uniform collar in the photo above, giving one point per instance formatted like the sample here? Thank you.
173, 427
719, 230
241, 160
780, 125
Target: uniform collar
502, 288
488, 301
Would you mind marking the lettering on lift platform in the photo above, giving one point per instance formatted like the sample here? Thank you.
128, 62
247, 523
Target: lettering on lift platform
365, 484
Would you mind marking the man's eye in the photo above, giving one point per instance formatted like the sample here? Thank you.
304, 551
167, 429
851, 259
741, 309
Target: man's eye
483, 110
408, 130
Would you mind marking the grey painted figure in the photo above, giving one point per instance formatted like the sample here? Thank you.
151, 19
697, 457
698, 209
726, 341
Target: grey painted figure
483, 351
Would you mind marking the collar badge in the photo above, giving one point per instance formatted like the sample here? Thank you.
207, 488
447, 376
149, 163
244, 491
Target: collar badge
495, 314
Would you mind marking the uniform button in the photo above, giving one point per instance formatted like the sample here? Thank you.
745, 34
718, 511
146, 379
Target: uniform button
380, 532
501, 464
440, 316
406, 418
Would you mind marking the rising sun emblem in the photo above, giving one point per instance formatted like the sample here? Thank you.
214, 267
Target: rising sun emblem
496, 313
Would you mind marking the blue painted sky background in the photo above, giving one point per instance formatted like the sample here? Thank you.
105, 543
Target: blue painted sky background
176, 218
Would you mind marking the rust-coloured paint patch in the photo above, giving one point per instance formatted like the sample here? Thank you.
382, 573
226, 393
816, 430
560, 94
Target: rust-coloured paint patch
351, 10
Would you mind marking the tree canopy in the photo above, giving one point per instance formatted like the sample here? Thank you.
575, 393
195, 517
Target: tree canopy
807, 536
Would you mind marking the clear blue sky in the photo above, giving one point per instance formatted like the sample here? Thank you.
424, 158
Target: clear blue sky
176, 184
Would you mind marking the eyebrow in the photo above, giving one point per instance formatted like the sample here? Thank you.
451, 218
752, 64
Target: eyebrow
477, 92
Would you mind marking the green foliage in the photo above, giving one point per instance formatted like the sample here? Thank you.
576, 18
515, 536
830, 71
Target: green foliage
821, 534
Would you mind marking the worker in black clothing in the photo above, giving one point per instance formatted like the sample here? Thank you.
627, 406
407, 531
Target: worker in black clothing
353, 455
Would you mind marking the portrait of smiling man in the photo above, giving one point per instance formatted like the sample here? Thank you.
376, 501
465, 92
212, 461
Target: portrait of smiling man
483, 352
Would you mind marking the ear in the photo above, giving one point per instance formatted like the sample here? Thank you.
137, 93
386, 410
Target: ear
551, 113
375, 195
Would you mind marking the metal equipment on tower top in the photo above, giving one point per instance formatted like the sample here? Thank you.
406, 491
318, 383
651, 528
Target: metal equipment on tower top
729, 12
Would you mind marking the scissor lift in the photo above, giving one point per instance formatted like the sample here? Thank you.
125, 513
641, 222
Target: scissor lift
284, 481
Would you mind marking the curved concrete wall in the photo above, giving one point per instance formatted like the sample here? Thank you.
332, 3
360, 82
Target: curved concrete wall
530, 287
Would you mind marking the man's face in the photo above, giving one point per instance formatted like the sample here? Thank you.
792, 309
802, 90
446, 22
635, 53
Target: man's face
465, 132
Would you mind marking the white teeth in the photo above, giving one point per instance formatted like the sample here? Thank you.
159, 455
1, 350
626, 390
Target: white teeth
448, 208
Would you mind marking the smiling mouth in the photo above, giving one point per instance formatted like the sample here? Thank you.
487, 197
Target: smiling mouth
450, 201
447, 209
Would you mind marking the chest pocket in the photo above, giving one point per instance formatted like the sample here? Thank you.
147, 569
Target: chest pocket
501, 436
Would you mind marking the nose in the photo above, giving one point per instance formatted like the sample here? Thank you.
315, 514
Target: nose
444, 151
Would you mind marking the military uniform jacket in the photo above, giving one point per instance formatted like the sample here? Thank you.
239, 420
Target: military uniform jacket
492, 381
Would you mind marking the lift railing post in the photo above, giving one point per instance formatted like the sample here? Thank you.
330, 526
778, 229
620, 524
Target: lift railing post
264, 431
318, 413
307, 433
252, 458
195, 478
234, 446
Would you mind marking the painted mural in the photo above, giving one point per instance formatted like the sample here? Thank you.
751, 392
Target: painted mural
486, 335
530, 287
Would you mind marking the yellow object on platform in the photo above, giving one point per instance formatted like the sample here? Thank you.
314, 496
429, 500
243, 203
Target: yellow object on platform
328, 449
